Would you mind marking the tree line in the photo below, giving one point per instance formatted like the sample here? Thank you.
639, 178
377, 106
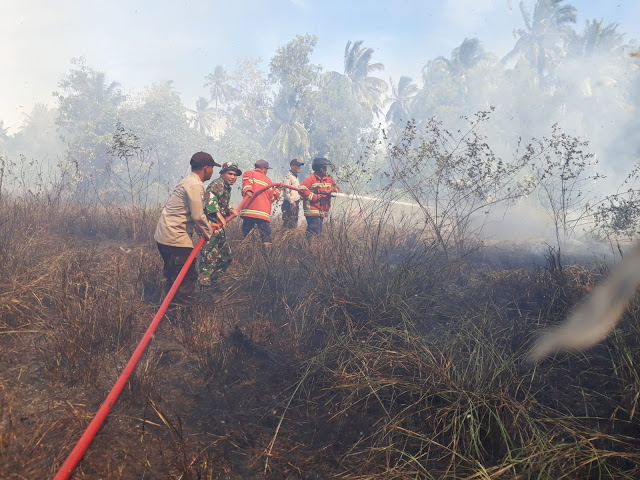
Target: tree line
554, 73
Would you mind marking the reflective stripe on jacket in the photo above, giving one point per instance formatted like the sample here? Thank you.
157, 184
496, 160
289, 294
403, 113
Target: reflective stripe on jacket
260, 207
315, 204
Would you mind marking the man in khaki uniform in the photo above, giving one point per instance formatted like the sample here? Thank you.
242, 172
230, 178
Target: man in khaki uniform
291, 198
183, 212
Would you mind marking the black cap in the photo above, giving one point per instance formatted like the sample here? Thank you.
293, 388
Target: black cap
202, 159
296, 163
262, 164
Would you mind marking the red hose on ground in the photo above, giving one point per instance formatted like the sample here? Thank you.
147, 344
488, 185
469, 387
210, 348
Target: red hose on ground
87, 437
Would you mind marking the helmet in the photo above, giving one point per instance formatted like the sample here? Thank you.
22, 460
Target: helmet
319, 163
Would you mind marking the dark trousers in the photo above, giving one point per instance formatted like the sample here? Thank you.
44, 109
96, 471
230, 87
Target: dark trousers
290, 214
264, 227
174, 259
314, 225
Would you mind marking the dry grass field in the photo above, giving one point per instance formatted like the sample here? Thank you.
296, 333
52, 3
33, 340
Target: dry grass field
362, 354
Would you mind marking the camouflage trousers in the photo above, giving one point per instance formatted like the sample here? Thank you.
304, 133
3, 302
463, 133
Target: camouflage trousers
215, 257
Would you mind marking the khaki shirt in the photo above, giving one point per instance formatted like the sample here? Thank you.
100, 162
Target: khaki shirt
290, 195
183, 211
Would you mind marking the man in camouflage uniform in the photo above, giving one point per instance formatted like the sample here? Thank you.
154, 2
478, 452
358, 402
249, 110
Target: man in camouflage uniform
216, 255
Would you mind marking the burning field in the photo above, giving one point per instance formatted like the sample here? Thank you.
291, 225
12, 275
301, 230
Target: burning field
418, 336
363, 354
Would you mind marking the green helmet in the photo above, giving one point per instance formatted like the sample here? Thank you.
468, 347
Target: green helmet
319, 163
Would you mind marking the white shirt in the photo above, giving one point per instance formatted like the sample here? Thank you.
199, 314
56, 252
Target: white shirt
289, 195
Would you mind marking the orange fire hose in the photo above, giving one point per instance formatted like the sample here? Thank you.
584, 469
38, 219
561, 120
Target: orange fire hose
87, 437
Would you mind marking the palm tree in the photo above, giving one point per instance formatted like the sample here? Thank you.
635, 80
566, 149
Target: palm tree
445, 81
466, 56
367, 90
463, 58
438, 90
400, 100
539, 41
203, 116
598, 84
291, 138
218, 86
596, 38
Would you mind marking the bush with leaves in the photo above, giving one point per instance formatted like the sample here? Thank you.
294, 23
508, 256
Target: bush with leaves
456, 179
132, 174
618, 214
565, 175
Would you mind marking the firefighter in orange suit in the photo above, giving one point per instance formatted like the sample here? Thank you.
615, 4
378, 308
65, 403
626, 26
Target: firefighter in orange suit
258, 212
316, 195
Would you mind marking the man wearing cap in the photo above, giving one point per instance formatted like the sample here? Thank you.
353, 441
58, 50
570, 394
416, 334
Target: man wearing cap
257, 212
291, 198
216, 255
182, 213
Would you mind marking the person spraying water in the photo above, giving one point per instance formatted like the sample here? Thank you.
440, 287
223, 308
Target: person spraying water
316, 191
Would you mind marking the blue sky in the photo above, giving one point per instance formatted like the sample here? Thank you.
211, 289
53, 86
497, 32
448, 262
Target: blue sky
138, 42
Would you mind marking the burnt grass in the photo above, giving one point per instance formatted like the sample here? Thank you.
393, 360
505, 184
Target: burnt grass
362, 354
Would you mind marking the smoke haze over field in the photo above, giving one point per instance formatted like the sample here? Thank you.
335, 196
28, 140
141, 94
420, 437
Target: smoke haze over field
277, 80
